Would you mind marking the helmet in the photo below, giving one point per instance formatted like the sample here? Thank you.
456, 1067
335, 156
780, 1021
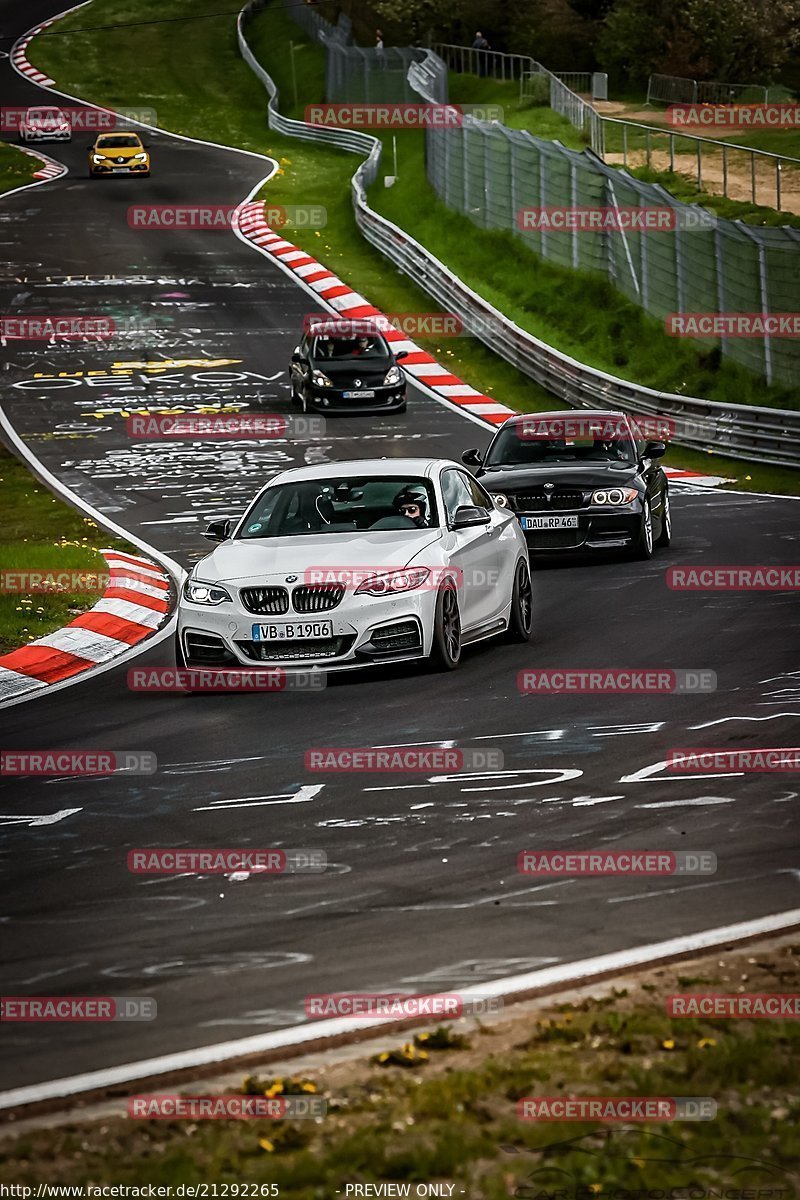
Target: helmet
413, 495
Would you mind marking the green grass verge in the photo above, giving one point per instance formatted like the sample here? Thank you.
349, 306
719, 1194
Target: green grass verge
193, 75
42, 534
537, 119
16, 168
444, 1109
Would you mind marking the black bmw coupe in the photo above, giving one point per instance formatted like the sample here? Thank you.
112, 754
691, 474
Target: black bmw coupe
579, 480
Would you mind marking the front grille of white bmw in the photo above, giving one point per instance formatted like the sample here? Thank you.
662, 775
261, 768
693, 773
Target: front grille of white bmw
265, 601
317, 597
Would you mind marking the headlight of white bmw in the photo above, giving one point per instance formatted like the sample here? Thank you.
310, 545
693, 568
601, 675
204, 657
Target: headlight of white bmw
393, 376
614, 496
205, 593
321, 380
393, 582
500, 499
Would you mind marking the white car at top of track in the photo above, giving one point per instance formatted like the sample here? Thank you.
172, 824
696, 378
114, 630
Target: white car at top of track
345, 564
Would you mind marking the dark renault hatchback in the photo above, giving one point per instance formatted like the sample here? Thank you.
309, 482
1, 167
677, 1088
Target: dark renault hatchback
579, 480
346, 366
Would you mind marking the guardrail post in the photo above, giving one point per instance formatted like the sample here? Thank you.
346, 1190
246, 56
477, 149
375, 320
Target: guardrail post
725, 171
699, 165
753, 175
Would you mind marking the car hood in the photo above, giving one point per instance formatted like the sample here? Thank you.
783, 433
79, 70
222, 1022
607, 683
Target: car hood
118, 152
365, 368
579, 475
254, 561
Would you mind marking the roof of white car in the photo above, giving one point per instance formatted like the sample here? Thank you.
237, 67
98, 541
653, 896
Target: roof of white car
366, 466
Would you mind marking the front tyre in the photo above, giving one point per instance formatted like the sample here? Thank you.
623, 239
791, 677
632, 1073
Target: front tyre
665, 537
520, 621
446, 649
643, 546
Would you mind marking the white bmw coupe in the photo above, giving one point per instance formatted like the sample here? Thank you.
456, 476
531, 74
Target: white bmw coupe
346, 564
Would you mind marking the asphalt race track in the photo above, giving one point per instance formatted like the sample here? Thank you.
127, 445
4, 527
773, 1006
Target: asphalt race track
423, 892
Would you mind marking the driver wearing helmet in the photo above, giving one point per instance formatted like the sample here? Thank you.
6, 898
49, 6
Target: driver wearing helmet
412, 502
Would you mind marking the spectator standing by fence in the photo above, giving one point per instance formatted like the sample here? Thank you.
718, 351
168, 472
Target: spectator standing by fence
380, 55
481, 45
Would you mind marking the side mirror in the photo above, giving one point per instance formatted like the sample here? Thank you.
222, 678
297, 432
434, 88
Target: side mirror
472, 458
218, 531
297, 358
655, 450
401, 354
90, 145
469, 515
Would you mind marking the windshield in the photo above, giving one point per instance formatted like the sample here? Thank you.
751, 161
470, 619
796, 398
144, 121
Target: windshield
512, 450
344, 349
45, 114
343, 504
121, 141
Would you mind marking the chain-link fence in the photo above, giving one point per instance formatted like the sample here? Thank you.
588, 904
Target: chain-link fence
308, 17
356, 75
695, 263
493, 174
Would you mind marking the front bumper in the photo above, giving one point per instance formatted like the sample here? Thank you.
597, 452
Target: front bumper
34, 135
331, 399
139, 168
365, 629
598, 528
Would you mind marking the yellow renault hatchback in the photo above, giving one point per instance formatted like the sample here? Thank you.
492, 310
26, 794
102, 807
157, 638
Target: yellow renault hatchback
118, 154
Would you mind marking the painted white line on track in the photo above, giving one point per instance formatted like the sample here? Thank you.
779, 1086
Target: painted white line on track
291, 1040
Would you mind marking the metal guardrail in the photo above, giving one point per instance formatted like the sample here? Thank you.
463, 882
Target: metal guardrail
677, 89
741, 431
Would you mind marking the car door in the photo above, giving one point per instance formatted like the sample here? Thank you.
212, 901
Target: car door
473, 551
506, 542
